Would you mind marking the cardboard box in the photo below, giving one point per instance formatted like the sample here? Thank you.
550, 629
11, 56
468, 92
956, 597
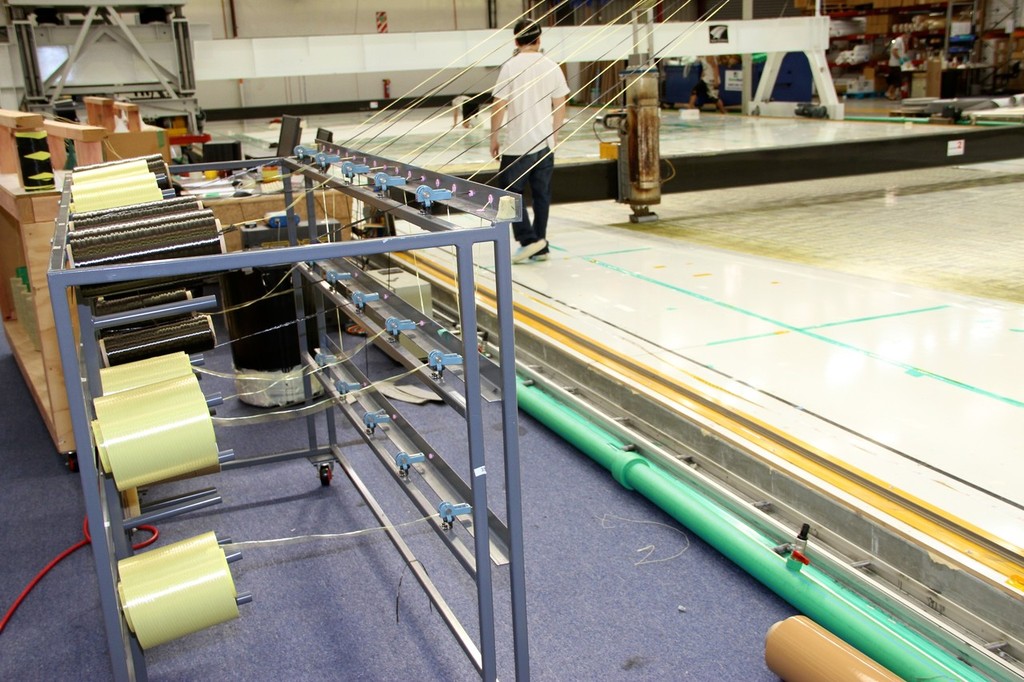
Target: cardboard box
130, 145
238, 210
933, 78
879, 24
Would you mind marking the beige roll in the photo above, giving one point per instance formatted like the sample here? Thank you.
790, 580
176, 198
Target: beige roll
95, 200
155, 432
119, 170
799, 650
155, 560
143, 372
186, 595
82, 192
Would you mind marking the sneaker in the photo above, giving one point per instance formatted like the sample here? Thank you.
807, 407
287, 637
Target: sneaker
524, 252
540, 257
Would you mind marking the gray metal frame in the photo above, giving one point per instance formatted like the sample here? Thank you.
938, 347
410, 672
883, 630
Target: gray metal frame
81, 371
168, 91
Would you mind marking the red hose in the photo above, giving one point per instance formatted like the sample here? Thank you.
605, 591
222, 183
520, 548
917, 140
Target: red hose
154, 534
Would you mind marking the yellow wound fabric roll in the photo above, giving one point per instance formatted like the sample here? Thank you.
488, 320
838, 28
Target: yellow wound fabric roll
183, 597
82, 192
155, 432
115, 197
154, 396
159, 559
120, 170
799, 650
143, 372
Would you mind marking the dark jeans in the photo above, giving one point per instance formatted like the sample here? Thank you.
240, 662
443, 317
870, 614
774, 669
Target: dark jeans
534, 169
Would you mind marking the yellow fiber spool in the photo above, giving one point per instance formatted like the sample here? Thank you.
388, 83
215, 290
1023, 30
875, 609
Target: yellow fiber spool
89, 198
155, 432
160, 559
185, 595
85, 193
120, 170
143, 372
82, 191
153, 396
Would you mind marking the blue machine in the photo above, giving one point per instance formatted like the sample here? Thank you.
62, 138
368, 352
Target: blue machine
792, 85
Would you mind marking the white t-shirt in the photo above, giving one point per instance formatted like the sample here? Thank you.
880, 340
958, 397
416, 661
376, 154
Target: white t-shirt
528, 82
897, 51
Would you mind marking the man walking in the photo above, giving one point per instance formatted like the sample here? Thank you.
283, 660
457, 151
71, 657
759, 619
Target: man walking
531, 93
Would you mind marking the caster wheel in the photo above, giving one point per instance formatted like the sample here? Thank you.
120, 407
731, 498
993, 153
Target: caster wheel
326, 472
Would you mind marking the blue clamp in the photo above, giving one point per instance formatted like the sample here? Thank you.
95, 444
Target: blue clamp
427, 195
449, 511
324, 359
404, 460
345, 387
337, 276
324, 160
382, 181
361, 298
350, 169
395, 326
372, 419
438, 360
303, 153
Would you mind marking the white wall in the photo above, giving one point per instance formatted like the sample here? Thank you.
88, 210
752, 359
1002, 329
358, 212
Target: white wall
300, 18
262, 19
350, 67
226, 94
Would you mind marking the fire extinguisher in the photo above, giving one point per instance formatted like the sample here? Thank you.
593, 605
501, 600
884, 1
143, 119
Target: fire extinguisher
387, 88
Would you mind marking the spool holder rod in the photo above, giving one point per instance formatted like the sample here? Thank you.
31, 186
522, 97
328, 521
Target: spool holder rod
178, 499
233, 556
225, 456
154, 312
172, 511
244, 598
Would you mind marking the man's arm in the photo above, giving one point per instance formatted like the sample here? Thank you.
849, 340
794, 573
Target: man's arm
497, 118
557, 116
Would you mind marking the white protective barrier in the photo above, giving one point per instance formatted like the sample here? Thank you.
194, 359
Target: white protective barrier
398, 52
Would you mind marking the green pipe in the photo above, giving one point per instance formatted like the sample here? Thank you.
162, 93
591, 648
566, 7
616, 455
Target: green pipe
843, 612
886, 119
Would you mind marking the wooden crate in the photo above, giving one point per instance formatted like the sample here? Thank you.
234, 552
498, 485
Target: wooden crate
26, 228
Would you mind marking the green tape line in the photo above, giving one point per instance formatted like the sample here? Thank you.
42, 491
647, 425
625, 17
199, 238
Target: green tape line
840, 323
807, 332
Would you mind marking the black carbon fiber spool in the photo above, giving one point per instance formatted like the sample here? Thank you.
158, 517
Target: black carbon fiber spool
34, 157
109, 216
122, 304
253, 347
135, 287
191, 335
141, 223
171, 240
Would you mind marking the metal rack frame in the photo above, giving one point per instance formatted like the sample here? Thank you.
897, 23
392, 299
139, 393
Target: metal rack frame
491, 538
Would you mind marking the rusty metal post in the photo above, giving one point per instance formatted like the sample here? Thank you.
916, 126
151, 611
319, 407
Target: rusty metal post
643, 151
